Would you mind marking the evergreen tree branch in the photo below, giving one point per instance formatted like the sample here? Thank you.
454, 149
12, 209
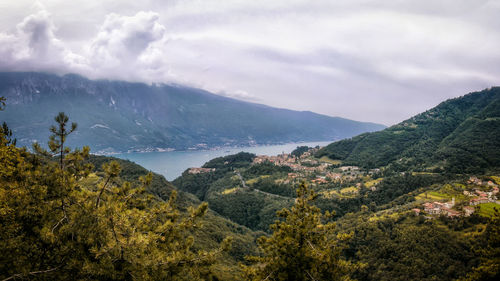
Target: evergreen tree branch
21, 275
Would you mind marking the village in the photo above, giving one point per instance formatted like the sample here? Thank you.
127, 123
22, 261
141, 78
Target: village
475, 195
321, 173
316, 172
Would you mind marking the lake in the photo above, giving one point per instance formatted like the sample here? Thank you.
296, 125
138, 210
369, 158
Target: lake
171, 164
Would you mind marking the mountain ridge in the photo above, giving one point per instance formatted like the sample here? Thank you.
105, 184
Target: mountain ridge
454, 128
118, 116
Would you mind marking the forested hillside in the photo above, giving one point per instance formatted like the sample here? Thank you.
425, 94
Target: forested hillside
308, 215
423, 206
458, 135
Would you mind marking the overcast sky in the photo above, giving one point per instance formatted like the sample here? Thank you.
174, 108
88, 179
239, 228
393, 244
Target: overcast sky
380, 61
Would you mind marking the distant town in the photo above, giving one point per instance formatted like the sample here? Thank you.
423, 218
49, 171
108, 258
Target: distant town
322, 173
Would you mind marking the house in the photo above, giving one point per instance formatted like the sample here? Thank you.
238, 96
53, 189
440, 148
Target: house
432, 208
334, 176
416, 211
320, 180
451, 213
260, 159
450, 204
200, 170
305, 155
494, 190
477, 201
468, 211
481, 193
438, 208
349, 168
475, 180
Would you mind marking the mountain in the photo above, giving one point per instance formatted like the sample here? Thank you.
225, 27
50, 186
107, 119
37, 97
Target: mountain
117, 116
429, 213
460, 135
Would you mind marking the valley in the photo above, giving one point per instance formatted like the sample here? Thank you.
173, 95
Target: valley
413, 199
249, 140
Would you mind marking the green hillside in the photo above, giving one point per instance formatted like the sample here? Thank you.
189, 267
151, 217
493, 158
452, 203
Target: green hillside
375, 207
379, 185
460, 134
423, 207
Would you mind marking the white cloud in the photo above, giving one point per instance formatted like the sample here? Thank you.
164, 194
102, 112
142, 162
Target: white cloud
238, 94
362, 59
126, 40
35, 47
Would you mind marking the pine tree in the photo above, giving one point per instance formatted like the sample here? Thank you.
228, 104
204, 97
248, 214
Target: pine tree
58, 223
2, 103
303, 245
4, 130
59, 134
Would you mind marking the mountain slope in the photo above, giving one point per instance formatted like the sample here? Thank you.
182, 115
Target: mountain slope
123, 116
461, 134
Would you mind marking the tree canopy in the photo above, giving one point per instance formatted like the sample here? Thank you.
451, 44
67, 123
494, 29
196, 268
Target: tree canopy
63, 222
303, 245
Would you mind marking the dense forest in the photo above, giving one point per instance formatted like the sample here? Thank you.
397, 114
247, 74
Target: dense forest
459, 135
358, 209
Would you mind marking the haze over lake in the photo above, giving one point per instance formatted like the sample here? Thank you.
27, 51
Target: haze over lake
171, 164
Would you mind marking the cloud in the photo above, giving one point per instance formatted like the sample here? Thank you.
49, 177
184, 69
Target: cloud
35, 47
124, 47
362, 59
128, 42
239, 94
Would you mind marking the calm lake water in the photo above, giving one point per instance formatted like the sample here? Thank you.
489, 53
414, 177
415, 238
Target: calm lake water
171, 164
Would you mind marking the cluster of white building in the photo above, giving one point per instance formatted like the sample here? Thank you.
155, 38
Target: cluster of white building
438, 208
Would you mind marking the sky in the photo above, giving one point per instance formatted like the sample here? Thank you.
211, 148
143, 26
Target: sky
378, 61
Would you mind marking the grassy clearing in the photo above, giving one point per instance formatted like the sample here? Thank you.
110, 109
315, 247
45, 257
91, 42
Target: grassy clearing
331, 161
230, 190
373, 182
475, 230
488, 209
254, 180
432, 195
349, 190
378, 217
251, 181
330, 194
